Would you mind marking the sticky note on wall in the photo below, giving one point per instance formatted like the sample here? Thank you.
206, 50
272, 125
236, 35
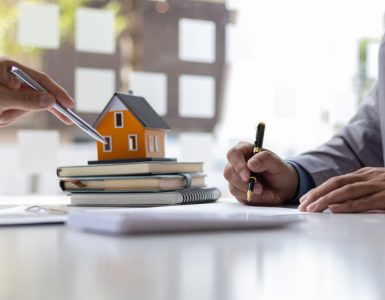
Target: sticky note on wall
197, 40
93, 89
95, 30
196, 96
37, 150
38, 25
151, 86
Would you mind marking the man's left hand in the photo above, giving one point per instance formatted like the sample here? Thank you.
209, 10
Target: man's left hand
360, 191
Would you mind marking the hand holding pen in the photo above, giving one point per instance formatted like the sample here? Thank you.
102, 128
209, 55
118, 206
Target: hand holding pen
24, 78
17, 99
277, 181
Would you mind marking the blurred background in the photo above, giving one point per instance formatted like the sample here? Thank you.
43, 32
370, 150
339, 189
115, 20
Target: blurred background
212, 69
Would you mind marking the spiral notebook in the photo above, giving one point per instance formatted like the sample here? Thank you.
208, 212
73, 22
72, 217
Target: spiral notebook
186, 196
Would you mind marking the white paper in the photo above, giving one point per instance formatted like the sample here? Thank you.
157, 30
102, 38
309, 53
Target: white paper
205, 217
25, 215
38, 25
196, 96
37, 150
93, 89
197, 40
151, 86
95, 30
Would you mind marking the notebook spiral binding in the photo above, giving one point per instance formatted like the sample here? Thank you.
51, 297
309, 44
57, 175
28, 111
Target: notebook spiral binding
200, 195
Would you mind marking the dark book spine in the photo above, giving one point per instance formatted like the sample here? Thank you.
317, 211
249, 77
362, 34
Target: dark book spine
200, 195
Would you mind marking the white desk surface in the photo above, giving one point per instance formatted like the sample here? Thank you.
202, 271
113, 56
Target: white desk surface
326, 257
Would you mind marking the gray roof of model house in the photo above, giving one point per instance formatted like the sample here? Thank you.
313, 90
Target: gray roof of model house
139, 107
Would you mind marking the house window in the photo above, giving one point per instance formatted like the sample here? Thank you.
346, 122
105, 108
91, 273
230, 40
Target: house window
132, 142
118, 120
150, 143
108, 147
157, 144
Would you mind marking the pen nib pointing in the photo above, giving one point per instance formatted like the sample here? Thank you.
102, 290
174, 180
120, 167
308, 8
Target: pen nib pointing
249, 195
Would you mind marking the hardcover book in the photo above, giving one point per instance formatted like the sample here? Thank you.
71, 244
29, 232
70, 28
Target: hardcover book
148, 167
132, 183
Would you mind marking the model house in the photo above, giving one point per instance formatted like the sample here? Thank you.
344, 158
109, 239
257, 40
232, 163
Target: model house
132, 128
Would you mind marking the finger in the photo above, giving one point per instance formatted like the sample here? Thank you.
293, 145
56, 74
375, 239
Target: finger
328, 186
237, 157
267, 197
350, 191
8, 117
372, 202
26, 100
265, 161
44, 80
6, 78
51, 86
233, 178
61, 117
304, 202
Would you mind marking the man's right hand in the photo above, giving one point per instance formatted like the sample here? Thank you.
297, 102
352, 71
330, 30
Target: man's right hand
277, 180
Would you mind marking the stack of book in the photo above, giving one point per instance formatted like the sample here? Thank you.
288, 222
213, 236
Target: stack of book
145, 183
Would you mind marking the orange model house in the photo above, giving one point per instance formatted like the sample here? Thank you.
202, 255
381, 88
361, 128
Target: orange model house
132, 128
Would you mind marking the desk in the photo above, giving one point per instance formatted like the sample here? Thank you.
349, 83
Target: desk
327, 257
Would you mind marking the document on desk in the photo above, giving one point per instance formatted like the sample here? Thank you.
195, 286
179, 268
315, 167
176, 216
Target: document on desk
29, 215
199, 217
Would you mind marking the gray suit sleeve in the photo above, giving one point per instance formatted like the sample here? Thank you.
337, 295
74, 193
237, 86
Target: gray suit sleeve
356, 145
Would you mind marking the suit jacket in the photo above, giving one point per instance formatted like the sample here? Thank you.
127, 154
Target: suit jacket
359, 144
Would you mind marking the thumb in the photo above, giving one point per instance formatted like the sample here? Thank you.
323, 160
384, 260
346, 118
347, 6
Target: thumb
27, 100
266, 161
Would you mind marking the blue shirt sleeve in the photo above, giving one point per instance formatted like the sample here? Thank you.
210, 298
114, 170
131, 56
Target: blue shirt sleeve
306, 182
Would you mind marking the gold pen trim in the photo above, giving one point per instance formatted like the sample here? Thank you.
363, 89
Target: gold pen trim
257, 150
249, 195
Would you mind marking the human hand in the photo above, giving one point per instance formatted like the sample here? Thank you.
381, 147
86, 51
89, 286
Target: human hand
277, 180
359, 191
16, 99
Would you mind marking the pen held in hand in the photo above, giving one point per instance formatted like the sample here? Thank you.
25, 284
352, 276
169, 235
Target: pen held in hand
257, 148
24, 78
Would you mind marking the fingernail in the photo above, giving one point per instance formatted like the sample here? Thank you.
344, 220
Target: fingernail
244, 176
312, 207
45, 101
334, 208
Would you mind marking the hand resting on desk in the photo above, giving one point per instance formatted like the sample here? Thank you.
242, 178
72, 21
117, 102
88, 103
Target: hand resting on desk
359, 191
277, 180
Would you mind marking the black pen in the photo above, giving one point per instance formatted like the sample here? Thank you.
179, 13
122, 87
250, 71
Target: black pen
257, 148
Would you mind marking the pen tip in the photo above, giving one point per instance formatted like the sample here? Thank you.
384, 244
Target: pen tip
249, 195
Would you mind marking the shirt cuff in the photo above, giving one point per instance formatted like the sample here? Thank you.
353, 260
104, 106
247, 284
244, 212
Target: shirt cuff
305, 184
